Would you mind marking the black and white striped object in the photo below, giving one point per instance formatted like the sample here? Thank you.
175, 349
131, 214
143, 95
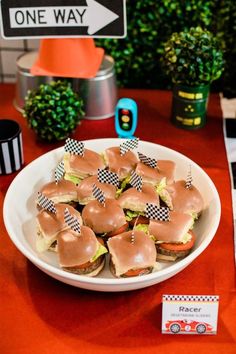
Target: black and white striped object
128, 145
74, 147
157, 213
106, 176
147, 160
46, 203
72, 221
59, 171
197, 298
11, 149
189, 179
98, 194
136, 181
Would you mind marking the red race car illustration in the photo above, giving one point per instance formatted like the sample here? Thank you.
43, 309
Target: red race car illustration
188, 326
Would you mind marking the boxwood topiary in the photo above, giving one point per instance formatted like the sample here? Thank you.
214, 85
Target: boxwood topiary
53, 110
193, 57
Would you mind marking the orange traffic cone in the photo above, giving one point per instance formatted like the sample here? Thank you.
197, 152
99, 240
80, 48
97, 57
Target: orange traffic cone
68, 57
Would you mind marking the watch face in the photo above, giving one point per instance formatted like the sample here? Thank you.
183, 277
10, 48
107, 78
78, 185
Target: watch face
125, 119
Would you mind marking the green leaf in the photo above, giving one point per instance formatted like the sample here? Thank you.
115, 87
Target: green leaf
190, 53
64, 114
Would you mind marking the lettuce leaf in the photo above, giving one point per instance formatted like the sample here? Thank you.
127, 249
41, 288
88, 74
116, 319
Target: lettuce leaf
194, 216
101, 250
163, 194
130, 214
161, 185
142, 227
186, 238
74, 179
122, 186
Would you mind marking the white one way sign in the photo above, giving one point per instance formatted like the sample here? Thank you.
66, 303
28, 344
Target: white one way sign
94, 16
41, 21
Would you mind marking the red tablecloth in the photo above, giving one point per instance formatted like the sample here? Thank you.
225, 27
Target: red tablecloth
41, 315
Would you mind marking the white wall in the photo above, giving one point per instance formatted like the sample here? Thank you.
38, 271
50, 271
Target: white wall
10, 50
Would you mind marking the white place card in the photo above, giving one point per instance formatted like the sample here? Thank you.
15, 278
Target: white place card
189, 314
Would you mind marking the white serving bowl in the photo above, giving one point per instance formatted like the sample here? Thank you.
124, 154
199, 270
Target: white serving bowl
19, 213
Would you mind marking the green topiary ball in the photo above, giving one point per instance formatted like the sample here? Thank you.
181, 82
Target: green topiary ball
53, 110
193, 57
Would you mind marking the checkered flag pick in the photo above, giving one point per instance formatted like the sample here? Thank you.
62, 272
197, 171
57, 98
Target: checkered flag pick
59, 171
128, 145
157, 213
72, 221
46, 203
74, 147
98, 194
106, 176
189, 179
147, 160
136, 181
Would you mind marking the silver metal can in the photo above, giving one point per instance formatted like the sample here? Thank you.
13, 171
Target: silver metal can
25, 81
99, 93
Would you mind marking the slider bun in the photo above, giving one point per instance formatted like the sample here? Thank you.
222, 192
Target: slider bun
126, 255
165, 168
85, 190
103, 219
134, 200
61, 192
173, 230
75, 249
185, 200
83, 166
51, 224
121, 165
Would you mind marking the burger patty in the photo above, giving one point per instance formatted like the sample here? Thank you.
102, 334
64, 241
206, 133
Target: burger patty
113, 270
94, 265
179, 254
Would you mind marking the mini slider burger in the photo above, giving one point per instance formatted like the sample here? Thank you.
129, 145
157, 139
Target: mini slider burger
81, 164
85, 190
185, 199
80, 251
122, 165
133, 201
133, 253
104, 216
106, 220
154, 171
174, 238
49, 224
62, 191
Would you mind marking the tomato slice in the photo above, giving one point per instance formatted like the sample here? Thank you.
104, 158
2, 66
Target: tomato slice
179, 246
140, 220
134, 272
118, 231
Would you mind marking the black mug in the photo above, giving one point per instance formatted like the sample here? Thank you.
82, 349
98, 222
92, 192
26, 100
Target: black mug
11, 150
